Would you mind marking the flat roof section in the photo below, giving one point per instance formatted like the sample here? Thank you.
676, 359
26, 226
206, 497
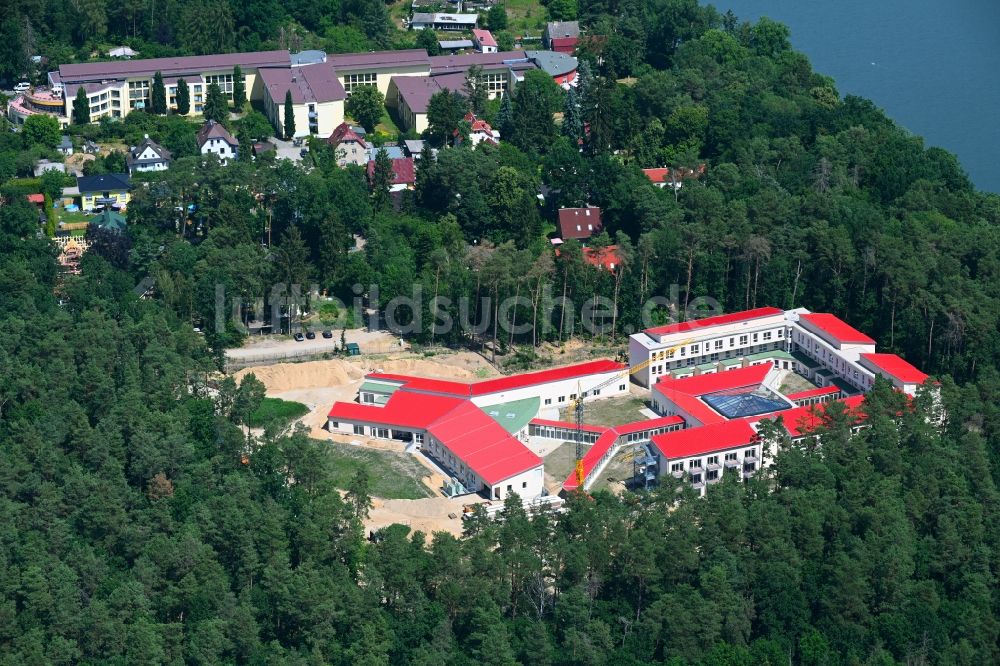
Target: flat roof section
376, 59
719, 320
514, 415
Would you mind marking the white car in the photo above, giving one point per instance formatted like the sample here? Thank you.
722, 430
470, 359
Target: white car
21, 87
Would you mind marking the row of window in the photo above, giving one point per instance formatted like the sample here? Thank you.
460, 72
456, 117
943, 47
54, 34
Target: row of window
572, 396
352, 81
695, 463
696, 347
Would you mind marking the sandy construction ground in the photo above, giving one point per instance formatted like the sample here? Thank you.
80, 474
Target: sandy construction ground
427, 515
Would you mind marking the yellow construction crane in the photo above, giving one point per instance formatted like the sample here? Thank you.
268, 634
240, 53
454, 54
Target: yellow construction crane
580, 395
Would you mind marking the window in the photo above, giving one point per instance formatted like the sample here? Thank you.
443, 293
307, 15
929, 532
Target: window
359, 430
696, 478
524, 484
138, 93
781, 333
224, 81
694, 348
510, 488
334, 424
677, 467
755, 337
597, 391
712, 475
382, 433
718, 344
621, 387
713, 460
743, 340
572, 396
548, 401
352, 81
731, 456
767, 335
562, 398
750, 453
695, 463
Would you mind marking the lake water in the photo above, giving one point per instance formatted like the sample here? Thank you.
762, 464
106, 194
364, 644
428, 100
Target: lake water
934, 67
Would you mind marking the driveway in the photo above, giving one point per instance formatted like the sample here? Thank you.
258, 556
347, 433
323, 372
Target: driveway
285, 150
261, 349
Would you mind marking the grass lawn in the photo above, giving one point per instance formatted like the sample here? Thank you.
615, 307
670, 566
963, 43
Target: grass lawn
62, 215
393, 475
275, 409
608, 412
795, 383
561, 461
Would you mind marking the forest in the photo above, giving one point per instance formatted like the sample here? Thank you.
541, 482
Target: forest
139, 523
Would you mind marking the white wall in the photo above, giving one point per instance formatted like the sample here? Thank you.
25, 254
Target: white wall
561, 389
528, 485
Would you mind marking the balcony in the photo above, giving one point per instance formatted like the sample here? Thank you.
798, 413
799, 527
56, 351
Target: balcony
698, 486
677, 474
696, 469
715, 480
750, 459
713, 466
312, 114
730, 464
747, 473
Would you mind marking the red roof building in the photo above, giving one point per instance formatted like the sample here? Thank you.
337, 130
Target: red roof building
404, 173
483, 41
834, 329
904, 375
605, 258
348, 145
580, 223
664, 177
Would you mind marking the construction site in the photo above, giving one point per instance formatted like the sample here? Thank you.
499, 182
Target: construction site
474, 436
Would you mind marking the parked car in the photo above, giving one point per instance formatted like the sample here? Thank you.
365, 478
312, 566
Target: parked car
298, 337
21, 87
327, 334
311, 335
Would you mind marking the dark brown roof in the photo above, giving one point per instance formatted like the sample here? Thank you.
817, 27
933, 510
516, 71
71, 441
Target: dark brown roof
316, 83
379, 58
176, 66
213, 130
580, 223
403, 171
343, 132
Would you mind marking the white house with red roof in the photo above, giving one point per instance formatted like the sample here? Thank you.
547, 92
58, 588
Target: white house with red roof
348, 146
483, 41
480, 131
673, 178
473, 430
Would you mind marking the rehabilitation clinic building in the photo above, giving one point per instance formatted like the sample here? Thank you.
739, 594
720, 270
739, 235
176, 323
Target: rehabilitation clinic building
475, 431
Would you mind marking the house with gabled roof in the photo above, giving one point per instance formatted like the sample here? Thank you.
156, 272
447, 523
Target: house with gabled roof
215, 139
580, 223
349, 146
147, 156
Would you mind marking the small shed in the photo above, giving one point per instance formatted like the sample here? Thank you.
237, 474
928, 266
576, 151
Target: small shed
353, 349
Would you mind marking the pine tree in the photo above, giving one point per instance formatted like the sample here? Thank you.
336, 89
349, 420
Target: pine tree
216, 108
239, 90
81, 107
381, 179
158, 95
289, 115
572, 126
183, 97
505, 116
584, 84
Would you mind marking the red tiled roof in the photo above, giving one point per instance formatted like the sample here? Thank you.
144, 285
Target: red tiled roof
685, 392
606, 258
484, 37
836, 328
403, 171
592, 457
662, 175
343, 133
803, 420
36, 198
706, 439
580, 223
564, 44
483, 444
403, 410
720, 320
896, 367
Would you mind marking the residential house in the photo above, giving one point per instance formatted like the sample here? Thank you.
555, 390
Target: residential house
105, 190
561, 36
673, 178
483, 41
580, 223
605, 258
215, 139
348, 146
403, 174
479, 131
65, 146
147, 156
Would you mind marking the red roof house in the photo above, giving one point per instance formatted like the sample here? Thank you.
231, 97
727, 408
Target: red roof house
483, 41
834, 329
403, 174
605, 258
664, 177
348, 145
580, 223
